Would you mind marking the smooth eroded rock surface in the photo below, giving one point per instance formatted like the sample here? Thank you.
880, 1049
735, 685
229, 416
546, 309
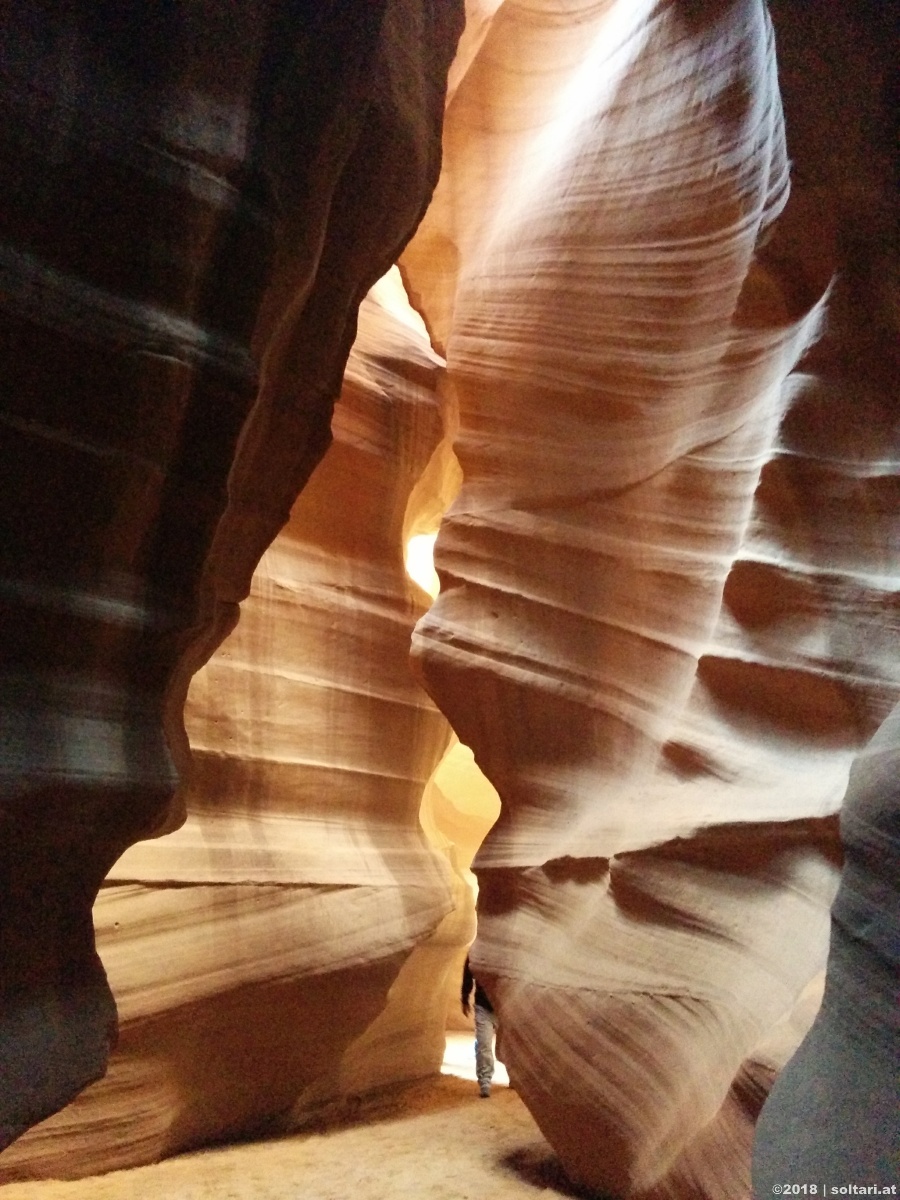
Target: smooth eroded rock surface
251, 949
657, 398
667, 621
196, 199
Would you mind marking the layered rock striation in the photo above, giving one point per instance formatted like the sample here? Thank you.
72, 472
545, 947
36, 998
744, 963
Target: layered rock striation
666, 623
251, 949
659, 386
195, 202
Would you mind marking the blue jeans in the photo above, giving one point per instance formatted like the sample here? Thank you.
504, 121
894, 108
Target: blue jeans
485, 1028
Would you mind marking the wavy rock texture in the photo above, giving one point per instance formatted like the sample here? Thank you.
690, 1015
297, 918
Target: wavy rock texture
196, 199
667, 620
834, 1113
459, 808
249, 950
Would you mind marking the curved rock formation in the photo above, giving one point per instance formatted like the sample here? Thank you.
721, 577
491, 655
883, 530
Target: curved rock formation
667, 582
249, 950
196, 199
834, 1114
667, 618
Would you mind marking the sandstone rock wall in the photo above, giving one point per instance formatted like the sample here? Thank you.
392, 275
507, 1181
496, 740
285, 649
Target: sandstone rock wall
832, 1114
835, 1111
667, 617
196, 199
249, 950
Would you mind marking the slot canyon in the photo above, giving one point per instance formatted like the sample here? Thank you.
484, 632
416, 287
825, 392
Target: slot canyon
600, 299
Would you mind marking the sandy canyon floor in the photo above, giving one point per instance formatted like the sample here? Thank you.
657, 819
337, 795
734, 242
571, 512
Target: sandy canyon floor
432, 1140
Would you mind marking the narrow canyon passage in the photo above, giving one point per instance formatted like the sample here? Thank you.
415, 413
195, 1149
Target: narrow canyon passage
449, 483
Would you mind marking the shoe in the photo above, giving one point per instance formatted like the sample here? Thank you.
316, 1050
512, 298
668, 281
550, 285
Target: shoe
484, 1091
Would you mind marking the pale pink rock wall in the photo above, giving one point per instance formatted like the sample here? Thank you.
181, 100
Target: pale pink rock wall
666, 623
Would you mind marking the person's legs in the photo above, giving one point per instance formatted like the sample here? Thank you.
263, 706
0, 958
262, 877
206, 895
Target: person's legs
485, 1023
